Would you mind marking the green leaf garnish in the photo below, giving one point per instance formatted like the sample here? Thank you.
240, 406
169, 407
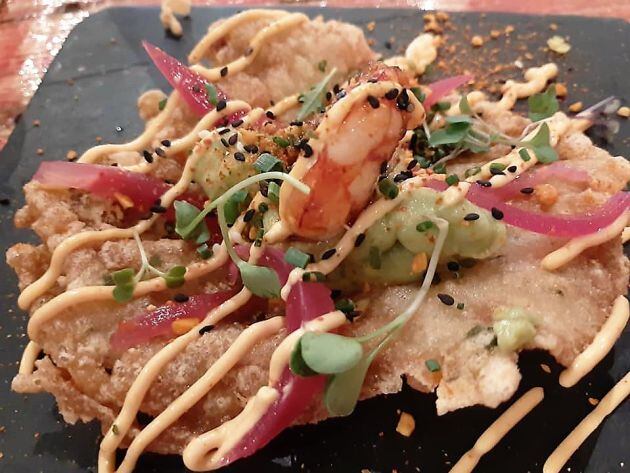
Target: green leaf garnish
342, 391
185, 213
123, 293
329, 353
175, 276
297, 258
234, 206
297, 364
123, 276
268, 162
464, 106
312, 100
273, 192
261, 281
124, 281
543, 105
162, 104
211, 93
453, 133
540, 145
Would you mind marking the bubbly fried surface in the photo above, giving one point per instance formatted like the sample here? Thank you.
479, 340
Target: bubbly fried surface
89, 381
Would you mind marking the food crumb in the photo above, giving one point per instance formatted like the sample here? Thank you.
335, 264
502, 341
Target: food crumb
509, 29
419, 263
40, 151
561, 90
36, 123
592, 401
546, 194
553, 26
371, 25
182, 326
406, 424
72, 155
70, 82
624, 112
545, 368
98, 139
576, 107
476, 41
558, 45
494, 34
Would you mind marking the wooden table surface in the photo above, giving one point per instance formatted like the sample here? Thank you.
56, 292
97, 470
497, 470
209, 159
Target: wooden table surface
33, 31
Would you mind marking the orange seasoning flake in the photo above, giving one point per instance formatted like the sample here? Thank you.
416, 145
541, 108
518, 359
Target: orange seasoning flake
182, 326
406, 424
123, 200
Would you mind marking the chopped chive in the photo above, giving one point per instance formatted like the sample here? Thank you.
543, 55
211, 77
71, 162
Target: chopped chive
232, 208
424, 163
452, 179
263, 207
460, 306
161, 104
418, 93
439, 168
296, 258
345, 305
472, 171
375, 258
424, 226
388, 188
441, 106
267, 162
273, 192
211, 93
283, 143
313, 276
524, 154
432, 365
205, 251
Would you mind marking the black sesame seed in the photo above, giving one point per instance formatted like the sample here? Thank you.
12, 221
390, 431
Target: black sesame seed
158, 209
236, 123
328, 253
496, 172
446, 299
527, 190
360, 239
308, 150
453, 266
496, 213
253, 149
402, 102
471, 217
225, 143
148, 157
483, 183
263, 186
388, 44
160, 152
437, 279
239, 156
352, 315
5, 201
372, 81
223, 131
180, 297
221, 104
412, 164
233, 139
341, 94
403, 176
328, 96
223, 71
196, 89
249, 215
335, 293
512, 169
373, 101
166, 143
206, 329
296, 123
383, 168
270, 114
391, 94
336, 89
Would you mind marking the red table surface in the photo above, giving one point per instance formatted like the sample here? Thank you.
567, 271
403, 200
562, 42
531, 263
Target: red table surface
33, 31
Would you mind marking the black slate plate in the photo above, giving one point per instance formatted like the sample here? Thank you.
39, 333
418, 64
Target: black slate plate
108, 77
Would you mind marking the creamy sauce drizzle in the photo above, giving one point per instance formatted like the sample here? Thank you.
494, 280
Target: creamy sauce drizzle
536, 80
569, 445
600, 346
574, 247
207, 451
498, 429
282, 24
29, 356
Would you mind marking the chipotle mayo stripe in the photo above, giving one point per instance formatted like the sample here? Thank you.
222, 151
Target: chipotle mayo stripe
498, 429
600, 346
569, 445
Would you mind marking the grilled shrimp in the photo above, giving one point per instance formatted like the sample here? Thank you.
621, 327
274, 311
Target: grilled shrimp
357, 134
